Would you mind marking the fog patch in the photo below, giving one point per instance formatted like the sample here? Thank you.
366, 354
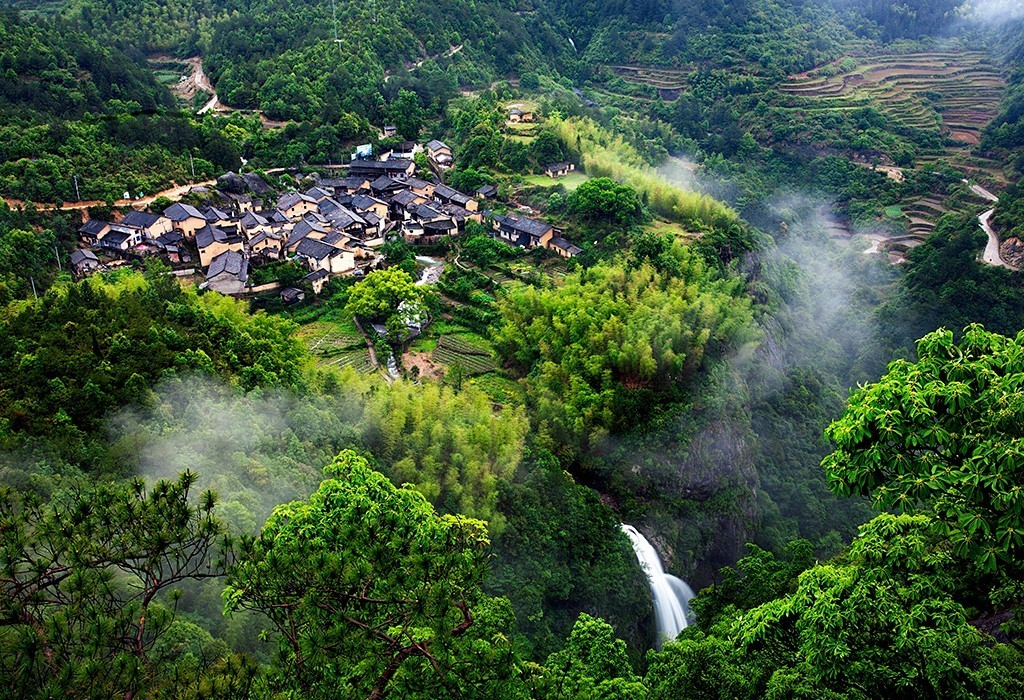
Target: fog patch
256, 450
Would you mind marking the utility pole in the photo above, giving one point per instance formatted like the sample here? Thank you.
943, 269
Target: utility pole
192, 164
77, 194
334, 15
56, 254
33, 281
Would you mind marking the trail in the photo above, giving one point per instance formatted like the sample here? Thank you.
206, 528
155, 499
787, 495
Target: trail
204, 84
991, 254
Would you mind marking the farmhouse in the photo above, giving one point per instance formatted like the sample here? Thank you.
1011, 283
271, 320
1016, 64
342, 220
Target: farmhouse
185, 218
375, 168
563, 247
294, 205
151, 226
228, 273
443, 194
92, 231
439, 153
558, 169
522, 231
214, 240
83, 262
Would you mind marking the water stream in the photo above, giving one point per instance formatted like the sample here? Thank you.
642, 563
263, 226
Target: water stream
671, 595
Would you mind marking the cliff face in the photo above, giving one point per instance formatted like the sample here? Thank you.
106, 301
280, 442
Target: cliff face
1012, 252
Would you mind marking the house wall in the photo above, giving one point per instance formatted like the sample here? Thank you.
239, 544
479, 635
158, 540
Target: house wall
226, 284
189, 226
160, 227
207, 254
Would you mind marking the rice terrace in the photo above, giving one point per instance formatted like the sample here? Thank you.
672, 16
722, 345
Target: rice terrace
956, 92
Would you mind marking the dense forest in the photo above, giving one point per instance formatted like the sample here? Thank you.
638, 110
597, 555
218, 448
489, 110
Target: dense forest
201, 497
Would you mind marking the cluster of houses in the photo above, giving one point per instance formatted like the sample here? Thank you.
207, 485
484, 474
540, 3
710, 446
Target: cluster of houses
334, 228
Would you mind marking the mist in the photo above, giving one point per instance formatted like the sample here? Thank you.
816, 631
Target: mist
993, 11
256, 450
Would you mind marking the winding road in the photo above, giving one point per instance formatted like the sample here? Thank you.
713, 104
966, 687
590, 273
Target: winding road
991, 255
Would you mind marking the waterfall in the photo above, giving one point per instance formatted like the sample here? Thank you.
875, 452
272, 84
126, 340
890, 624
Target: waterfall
671, 595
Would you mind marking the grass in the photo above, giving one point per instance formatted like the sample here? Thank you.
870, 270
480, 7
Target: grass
570, 181
894, 211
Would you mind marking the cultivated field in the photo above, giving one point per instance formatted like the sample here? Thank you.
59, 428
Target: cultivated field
955, 92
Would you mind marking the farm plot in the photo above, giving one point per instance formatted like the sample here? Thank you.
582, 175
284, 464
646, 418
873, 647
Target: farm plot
336, 344
957, 93
473, 358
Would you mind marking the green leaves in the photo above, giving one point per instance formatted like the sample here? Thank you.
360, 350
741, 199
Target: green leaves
943, 436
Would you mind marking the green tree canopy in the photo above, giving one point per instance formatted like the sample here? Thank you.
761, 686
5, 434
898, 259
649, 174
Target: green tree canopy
359, 580
602, 200
944, 436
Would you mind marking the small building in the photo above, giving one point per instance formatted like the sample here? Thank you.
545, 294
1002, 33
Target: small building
120, 238
443, 194
266, 244
439, 153
92, 231
294, 205
228, 273
151, 226
373, 169
212, 241
487, 192
185, 218
554, 170
563, 247
388, 131
317, 279
324, 256
516, 115
522, 231
84, 262
364, 203
290, 295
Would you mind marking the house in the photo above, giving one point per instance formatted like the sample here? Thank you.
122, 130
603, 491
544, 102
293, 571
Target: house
320, 255
364, 203
522, 231
351, 184
420, 187
402, 201
563, 247
92, 231
303, 229
213, 241
487, 192
439, 153
558, 169
443, 194
318, 193
151, 226
185, 218
317, 279
266, 244
121, 238
406, 149
385, 186
388, 131
294, 205
290, 295
213, 215
375, 168
228, 273
83, 262
515, 115
252, 224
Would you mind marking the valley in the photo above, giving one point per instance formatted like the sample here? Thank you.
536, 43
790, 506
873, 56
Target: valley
530, 350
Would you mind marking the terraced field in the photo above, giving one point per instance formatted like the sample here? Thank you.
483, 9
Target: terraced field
955, 92
473, 358
668, 81
337, 344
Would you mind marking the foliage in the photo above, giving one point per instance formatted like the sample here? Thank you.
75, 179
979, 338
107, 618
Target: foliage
943, 436
450, 446
601, 200
360, 582
593, 664
878, 621
608, 331
83, 578
379, 296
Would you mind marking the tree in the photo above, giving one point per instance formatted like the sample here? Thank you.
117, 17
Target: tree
360, 582
407, 114
602, 200
81, 579
944, 436
593, 665
380, 294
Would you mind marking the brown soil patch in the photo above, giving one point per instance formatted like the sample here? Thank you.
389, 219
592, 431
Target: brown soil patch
428, 368
970, 137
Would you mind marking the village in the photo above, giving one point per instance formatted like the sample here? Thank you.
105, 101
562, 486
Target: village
334, 228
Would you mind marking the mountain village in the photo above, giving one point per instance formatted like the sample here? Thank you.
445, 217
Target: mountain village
334, 227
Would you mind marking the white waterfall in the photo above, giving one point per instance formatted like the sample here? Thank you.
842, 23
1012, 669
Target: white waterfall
671, 595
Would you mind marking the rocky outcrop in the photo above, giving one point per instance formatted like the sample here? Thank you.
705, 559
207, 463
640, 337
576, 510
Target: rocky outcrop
1012, 252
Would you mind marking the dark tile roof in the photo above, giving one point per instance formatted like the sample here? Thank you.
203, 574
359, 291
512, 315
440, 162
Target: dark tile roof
436, 145
81, 256
93, 227
317, 250
317, 274
381, 167
559, 242
286, 201
231, 262
523, 225
362, 202
210, 234
252, 220
450, 194
139, 219
114, 239
180, 212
